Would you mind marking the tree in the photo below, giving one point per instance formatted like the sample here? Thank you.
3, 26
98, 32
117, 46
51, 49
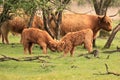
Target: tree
7, 9
10, 8
52, 11
110, 39
58, 16
30, 8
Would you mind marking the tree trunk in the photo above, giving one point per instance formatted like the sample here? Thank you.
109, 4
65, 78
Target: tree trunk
58, 25
45, 19
63, 3
5, 15
56, 16
110, 39
31, 18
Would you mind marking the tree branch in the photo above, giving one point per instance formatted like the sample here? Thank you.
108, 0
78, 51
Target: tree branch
113, 51
108, 72
110, 39
115, 14
6, 58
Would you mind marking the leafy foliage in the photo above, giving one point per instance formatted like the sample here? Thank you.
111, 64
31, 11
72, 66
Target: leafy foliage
1, 1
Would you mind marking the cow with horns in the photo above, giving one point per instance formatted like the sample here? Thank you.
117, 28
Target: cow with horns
76, 22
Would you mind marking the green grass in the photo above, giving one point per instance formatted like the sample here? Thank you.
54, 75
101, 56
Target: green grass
59, 68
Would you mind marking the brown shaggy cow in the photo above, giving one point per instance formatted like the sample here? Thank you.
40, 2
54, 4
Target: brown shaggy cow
17, 24
35, 36
76, 22
73, 39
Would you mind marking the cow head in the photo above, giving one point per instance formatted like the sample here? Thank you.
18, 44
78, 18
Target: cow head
53, 45
60, 46
105, 23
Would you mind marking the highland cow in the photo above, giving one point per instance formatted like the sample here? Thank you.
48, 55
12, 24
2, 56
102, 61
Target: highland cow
35, 36
73, 39
17, 25
76, 22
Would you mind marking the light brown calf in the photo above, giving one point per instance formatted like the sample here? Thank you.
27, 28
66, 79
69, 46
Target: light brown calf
73, 39
35, 36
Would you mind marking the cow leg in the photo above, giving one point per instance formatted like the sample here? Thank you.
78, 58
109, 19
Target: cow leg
44, 47
88, 45
0, 34
65, 52
94, 45
71, 51
25, 48
6, 39
5, 36
3, 39
30, 48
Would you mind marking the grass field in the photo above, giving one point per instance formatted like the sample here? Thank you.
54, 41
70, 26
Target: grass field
59, 68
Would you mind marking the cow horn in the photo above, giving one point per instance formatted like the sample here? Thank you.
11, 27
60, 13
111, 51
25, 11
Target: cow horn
105, 14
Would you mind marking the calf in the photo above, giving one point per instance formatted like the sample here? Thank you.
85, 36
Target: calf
35, 36
73, 39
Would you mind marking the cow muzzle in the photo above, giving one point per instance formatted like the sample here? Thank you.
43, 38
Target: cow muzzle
110, 29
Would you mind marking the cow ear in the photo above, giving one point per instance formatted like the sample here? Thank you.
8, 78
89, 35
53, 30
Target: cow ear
51, 42
103, 18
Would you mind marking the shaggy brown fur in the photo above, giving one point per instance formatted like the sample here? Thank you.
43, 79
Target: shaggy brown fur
16, 25
76, 22
35, 36
73, 39
38, 23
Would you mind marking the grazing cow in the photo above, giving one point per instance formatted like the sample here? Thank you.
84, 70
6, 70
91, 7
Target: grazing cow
76, 22
16, 25
36, 36
73, 39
